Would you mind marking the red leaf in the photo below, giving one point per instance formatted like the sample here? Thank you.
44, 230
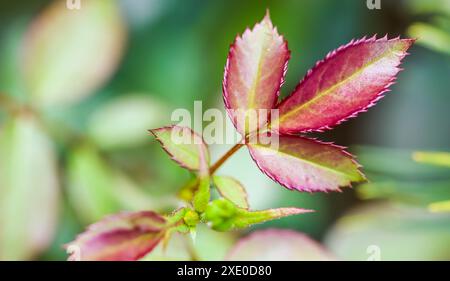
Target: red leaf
254, 72
123, 237
306, 165
349, 80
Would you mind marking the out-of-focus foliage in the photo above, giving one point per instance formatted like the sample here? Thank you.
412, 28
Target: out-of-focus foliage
90, 185
396, 176
390, 232
435, 34
433, 158
406, 227
438, 159
123, 122
283, 245
431, 36
29, 190
67, 55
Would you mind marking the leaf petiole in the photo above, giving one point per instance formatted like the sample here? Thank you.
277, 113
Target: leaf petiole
224, 158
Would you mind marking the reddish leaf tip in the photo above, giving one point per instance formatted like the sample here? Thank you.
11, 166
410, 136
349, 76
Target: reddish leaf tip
267, 17
254, 71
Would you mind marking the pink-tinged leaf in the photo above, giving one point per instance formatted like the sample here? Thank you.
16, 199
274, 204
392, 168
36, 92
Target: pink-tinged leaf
254, 73
305, 164
122, 237
348, 81
278, 245
185, 147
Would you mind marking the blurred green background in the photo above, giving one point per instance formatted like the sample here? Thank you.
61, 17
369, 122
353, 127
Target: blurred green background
80, 88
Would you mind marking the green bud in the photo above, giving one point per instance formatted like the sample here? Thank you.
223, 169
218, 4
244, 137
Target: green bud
220, 213
224, 215
191, 218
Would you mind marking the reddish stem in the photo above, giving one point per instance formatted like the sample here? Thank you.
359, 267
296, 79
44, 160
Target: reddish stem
224, 158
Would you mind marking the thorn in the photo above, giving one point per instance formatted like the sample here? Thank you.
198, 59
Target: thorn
267, 16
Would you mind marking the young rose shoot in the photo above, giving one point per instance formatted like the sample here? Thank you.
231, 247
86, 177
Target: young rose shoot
349, 80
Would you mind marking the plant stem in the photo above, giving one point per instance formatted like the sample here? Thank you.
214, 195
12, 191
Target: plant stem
224, 158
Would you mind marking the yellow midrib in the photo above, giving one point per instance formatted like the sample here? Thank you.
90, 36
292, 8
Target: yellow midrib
252, 91
347, 176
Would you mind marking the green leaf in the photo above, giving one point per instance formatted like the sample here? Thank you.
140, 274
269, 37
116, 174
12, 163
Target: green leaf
431, 37
184, 146
433, 158
203, 193
439, 207
90, 185
414, 193
123, 122
188, 149
29, 188
69, 54
395, 163
232, 190
390, 232
95, 188
209, 245
428, 7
